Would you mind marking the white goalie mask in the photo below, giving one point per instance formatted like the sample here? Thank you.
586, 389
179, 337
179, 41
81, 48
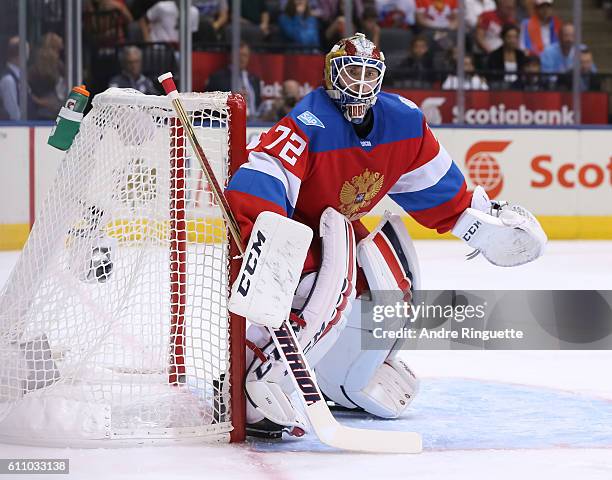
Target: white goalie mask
354, 71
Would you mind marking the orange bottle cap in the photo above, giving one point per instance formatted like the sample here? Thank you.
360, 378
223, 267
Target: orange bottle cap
81, 89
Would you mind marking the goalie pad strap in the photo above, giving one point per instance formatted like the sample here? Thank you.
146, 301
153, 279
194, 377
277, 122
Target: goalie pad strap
396, 269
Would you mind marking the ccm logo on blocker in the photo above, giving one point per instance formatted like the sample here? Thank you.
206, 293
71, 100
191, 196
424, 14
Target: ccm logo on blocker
251, 264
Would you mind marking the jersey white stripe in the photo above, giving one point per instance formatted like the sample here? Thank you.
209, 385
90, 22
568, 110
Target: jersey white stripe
426, 175
262, 162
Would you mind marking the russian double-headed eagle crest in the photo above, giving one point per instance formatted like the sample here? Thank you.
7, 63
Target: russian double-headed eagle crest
359, 192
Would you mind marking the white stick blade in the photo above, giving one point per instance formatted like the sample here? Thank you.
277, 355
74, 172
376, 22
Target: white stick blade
336, 435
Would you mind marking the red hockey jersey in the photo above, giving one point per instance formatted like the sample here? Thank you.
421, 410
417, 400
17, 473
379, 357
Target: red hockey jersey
313, 159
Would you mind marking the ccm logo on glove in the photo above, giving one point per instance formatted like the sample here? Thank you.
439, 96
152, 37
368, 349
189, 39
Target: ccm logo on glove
471, 231
251, 264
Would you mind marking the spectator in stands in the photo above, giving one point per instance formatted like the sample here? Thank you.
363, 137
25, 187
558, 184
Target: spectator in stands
255, 13
396, 13
221, 80
9, 83
589, 79
541, 29
109, 6
525, 8
472, 81
507, 61
110, 31
559, 57
490, 24
437, 14
160, 23
474, 8
417, 68
214, 15
369, 24
329, 10
130, 59
298, 26
530, 79
139, 8
337, 29
315, 10
55, 43
274, 110
44, 77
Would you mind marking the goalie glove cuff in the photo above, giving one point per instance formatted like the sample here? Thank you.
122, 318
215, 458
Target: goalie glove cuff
507, 236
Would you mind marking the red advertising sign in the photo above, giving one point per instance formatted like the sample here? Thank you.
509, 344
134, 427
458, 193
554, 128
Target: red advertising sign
509, 107
439, 106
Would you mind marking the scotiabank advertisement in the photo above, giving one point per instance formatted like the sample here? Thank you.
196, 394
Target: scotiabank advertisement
482, 108
509, 108
551, 172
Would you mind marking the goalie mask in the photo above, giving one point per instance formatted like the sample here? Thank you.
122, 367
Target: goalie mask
354, 70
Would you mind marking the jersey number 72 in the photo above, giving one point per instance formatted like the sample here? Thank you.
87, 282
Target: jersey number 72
293, 145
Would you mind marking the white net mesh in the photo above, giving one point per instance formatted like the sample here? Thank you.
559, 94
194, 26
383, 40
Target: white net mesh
113, 324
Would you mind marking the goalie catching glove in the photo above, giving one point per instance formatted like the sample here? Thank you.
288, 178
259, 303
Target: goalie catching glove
506, 234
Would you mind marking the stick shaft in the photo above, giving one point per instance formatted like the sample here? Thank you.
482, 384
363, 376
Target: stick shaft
217, 192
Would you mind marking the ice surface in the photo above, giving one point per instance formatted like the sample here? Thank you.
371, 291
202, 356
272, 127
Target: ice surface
503, 415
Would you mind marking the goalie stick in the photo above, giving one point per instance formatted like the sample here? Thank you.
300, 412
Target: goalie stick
325, 426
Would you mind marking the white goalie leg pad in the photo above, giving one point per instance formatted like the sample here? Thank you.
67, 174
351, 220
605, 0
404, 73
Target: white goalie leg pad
506, 234
322, 301
333, 292
377, 381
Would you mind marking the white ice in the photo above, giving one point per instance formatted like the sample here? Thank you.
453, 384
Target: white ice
483, 414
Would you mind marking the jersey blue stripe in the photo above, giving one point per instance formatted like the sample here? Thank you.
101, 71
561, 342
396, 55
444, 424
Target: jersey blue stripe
443, 191
261, 185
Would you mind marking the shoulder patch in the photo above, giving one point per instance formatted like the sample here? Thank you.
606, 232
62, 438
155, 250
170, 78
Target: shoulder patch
308, 118
407, 102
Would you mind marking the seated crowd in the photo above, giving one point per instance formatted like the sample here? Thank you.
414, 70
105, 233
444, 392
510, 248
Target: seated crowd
511, 44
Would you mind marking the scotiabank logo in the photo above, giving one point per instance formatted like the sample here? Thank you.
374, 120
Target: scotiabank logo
483, 168
431, 109
569, 175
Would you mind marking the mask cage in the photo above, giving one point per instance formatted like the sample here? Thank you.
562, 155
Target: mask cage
357, 88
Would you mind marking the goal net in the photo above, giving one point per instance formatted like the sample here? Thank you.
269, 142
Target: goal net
114, 326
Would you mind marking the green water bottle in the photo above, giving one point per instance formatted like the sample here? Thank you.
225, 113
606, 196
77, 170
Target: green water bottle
69, 119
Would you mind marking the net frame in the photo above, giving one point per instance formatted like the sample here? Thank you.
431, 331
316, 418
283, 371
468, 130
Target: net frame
176, 375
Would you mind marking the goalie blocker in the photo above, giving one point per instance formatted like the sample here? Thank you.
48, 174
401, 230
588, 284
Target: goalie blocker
271, 269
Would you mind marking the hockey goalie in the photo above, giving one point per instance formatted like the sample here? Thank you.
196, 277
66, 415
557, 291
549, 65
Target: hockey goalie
325, 165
